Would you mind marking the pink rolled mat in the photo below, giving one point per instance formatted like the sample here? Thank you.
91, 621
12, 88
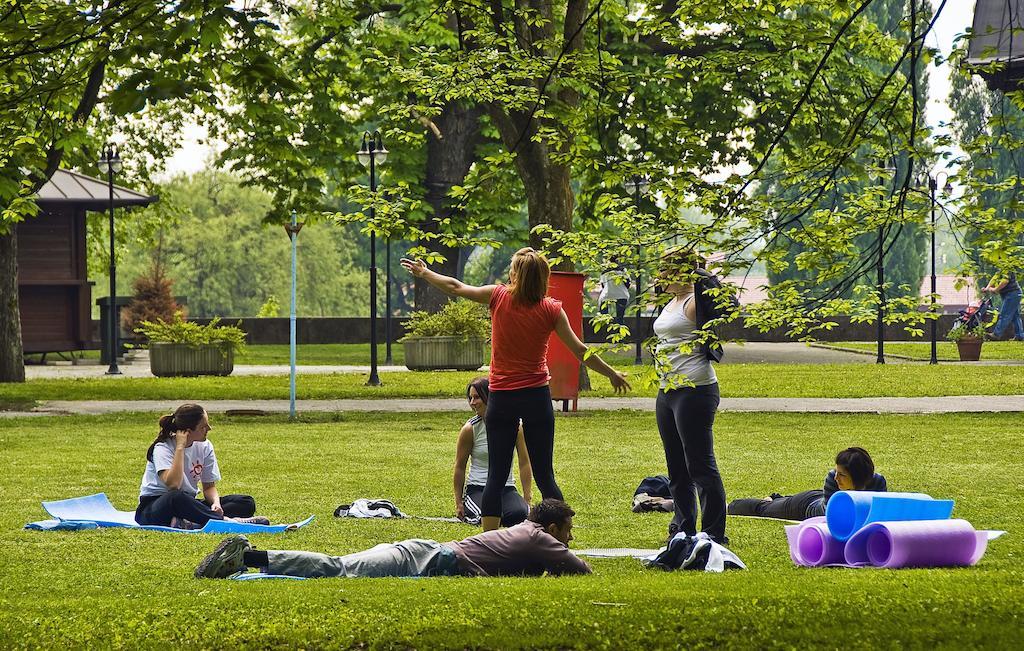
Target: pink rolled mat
922, 543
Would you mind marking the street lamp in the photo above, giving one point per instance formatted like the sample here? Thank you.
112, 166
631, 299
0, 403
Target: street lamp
372, 153
947, 189
110, 164
635, 186
880, 269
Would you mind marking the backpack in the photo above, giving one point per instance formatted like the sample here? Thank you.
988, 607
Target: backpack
709, 307
718, 306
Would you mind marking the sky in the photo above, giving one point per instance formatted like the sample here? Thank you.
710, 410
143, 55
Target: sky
955, 19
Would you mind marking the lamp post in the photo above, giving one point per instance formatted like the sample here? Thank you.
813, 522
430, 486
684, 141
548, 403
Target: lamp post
880, 269
635, 186
292, 229
387, 307
110, 164
370, 154
933, 184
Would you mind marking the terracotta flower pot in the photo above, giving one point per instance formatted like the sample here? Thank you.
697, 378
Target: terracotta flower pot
969, 348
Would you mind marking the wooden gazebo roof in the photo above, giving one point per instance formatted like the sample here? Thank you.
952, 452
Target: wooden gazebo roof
997, 37
67, 187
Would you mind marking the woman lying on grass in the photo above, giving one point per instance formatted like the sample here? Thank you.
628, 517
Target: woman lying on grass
180, 458
472, 447
854, 471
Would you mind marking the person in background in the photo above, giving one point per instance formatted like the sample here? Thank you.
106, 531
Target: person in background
1009, 310
614, 289
472, 447
854, 471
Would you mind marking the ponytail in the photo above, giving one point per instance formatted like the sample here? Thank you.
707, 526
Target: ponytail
185, 417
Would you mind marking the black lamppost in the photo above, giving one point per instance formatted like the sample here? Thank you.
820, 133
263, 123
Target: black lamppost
635, 186
933, 184
109, 164
880, 269
370, 154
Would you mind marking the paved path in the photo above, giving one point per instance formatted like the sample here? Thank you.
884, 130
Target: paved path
932, 405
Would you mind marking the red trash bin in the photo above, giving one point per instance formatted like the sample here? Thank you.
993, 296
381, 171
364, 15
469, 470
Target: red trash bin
566, 287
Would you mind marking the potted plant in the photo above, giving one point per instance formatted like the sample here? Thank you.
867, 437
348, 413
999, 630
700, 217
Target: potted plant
454, 338
185, 348
968, 341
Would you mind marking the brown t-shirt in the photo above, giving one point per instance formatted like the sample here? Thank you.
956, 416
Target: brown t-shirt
523, 549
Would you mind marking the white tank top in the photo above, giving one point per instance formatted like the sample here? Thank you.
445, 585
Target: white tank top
478, 457
673, 329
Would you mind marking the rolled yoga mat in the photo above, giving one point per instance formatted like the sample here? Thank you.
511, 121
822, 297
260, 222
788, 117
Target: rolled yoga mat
812, 545
923, 543
848, 511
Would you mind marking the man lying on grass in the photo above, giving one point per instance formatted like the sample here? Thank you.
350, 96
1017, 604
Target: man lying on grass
538, 545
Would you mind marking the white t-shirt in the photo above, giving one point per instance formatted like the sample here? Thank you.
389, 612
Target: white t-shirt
478, 458
613, 286
674, 332
200, 465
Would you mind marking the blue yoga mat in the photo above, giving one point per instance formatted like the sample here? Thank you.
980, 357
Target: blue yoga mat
256, 576
97, 509
848, 511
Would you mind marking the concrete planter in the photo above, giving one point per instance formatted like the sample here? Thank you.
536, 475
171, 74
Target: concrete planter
444, 353
969, 349
177, 360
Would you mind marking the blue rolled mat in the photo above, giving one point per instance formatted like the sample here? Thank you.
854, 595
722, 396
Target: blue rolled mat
98, 509
848, 511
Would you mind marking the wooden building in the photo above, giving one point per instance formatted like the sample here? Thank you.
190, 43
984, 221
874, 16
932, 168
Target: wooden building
996, 48
54, 292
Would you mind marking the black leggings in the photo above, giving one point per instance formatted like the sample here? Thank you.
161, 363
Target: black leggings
791, 507
161, 509
504, 411
685, 419
514, 508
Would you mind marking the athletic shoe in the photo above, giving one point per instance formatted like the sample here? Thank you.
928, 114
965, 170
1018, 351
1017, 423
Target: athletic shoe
226, 560
256, 519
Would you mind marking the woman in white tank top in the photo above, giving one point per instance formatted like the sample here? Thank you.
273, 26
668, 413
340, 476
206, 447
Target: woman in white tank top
472, 447
686, 405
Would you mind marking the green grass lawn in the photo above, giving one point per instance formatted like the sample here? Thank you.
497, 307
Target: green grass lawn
132, 589
737, 380
945, 350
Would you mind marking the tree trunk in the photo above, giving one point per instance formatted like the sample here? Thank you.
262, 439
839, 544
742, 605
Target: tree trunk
449, 158
12, 359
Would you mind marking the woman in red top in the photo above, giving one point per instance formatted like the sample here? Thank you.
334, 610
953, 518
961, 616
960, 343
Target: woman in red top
522, 320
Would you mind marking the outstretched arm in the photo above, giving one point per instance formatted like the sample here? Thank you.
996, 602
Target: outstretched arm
594, 362
447, 284
463, 450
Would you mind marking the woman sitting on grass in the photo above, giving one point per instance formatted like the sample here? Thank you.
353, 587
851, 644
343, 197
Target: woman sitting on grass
854, 471
179, 459
472, 447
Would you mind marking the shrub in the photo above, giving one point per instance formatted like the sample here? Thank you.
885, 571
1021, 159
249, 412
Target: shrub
152, 300
180, 331
456, 319
270, 308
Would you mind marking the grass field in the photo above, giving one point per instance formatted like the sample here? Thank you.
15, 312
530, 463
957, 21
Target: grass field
945, 350
737, 380
133, 589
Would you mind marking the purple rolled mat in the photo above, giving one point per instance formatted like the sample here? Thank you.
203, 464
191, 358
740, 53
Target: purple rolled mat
922, 543
811, 544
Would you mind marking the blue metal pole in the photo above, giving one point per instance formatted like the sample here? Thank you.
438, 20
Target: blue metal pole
291, 394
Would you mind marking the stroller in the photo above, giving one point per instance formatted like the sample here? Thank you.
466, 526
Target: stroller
978, 313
